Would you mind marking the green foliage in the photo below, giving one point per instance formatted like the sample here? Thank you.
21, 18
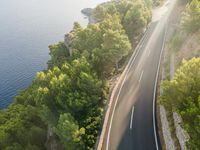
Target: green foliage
70, 95
149, 3
92, 126
87, 39
183, 95
157, 2
134, 15
115, 45
59, 53
14, 146
191, 17
67, 88
101, 11
176, 42
136, 19
104, 44
69, 133
21, 126
74, 90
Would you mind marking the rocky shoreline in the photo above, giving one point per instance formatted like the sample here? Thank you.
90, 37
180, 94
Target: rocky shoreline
89, 13
68, 37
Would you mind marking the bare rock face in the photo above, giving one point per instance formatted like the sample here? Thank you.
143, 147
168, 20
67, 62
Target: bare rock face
181, 134
87, 11
169, 142
68, 40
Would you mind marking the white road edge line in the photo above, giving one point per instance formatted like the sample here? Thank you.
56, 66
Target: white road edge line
108, 138
117, 98
141, 75
155, 89
131, 122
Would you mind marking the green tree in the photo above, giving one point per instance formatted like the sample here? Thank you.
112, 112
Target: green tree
191, 17
92, 126
115, 45
183, 95
17, 125
72, 88
14, 146
136, 19
101, 11
71, 94
87, 39
59, 54
69, 133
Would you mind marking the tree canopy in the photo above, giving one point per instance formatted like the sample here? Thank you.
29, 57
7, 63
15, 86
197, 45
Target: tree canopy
191, 17
134, 15
183, 95
70, 95
104, 44
21, 127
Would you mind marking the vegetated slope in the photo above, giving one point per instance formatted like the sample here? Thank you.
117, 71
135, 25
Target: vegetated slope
182, 93
190, 47
187, 40
63, 106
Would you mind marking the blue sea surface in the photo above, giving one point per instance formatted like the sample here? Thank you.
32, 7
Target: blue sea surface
27, 27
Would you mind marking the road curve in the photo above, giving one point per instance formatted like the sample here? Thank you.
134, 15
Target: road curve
132, 120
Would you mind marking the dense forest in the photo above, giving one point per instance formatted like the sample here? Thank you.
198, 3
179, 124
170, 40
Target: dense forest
182, 93
63, 106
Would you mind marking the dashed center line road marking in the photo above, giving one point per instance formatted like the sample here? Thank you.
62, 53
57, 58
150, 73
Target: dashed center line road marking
141, 76
129, 65
131, 122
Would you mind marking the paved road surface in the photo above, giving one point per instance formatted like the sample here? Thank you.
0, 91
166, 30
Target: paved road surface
131, 126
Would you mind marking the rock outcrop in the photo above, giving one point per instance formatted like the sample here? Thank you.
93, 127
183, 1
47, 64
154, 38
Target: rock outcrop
89, 12
181, 134
169, 142
68, 40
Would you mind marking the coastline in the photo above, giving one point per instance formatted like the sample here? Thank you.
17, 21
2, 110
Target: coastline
89, 13
27, 51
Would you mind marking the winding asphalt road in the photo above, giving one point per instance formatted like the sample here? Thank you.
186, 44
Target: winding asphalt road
132, 124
